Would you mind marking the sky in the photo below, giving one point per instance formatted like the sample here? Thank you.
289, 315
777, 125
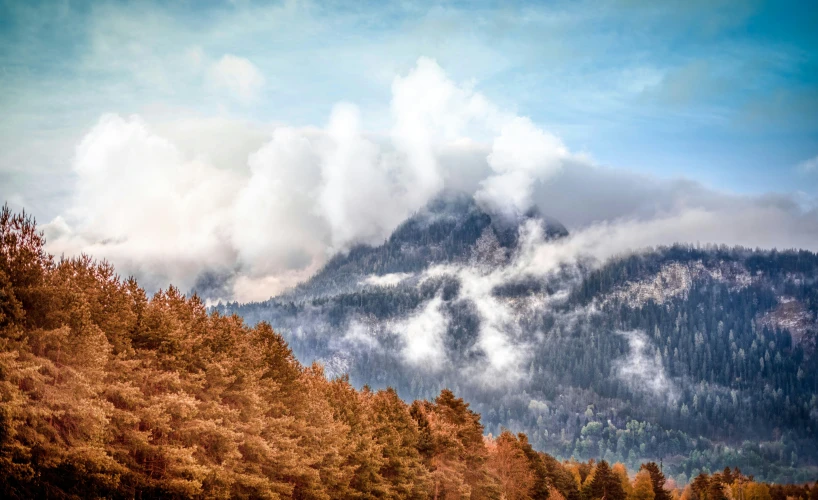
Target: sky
252, 140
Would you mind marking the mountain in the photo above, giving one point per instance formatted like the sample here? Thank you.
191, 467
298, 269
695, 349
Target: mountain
444, 231
695, 357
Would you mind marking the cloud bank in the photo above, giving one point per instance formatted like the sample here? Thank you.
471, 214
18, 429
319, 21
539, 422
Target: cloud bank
165, 203
169, 215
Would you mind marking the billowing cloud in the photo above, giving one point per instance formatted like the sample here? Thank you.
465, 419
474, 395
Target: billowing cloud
431, 111
274, 226
422, 334
521, 155
167, 211
356, 178
242, 211
144, 206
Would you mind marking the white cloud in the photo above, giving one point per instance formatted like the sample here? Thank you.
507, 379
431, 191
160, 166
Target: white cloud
361, 335
746, 223
521, 155
423, 334
430, 110
141, 204
643, 370
164, 204
273, 225
503, 350
255, 211
355, 180
390, 279
238, 76
498, 328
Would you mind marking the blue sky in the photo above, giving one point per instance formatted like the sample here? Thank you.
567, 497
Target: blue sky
704, 104
725, 92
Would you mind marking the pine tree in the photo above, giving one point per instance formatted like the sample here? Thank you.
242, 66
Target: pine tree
604, 484
657, 478
622, 473
508, 462
642, 487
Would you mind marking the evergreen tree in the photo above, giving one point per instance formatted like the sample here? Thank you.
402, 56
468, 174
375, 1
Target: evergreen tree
657, 479
642, 487
603, 483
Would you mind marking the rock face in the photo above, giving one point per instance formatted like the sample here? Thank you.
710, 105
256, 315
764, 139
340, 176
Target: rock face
793, 316
654, 355
675, 279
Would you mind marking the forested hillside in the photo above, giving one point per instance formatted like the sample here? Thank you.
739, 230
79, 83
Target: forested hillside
700, 357
109, 393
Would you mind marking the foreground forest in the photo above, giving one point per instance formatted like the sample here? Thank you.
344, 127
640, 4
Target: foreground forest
109, 393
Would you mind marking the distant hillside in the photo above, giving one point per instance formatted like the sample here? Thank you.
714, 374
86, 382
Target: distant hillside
700, 357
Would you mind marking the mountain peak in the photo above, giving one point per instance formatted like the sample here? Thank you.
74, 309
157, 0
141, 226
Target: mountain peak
445, 230
460, 213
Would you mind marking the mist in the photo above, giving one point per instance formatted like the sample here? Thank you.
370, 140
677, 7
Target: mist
643, 371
